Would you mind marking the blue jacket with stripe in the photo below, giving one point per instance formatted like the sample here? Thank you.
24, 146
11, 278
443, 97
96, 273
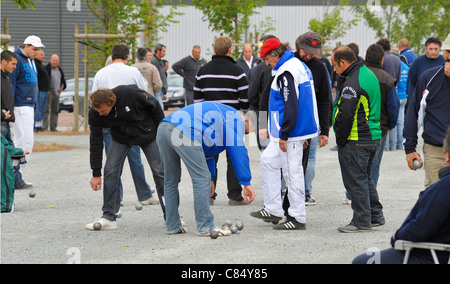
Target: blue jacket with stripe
429, 107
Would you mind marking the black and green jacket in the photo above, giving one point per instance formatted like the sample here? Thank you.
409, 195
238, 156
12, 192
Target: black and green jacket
356, 114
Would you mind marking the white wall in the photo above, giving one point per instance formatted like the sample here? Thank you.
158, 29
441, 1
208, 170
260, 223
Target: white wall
289, 23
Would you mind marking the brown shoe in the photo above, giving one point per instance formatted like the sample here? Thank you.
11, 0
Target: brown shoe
233, 202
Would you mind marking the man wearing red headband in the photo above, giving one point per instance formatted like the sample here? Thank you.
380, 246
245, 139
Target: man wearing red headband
293, 118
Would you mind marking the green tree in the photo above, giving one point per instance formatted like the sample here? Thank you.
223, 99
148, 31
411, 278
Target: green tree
411, 19
24, 4
231, 17
332, 25
136, 17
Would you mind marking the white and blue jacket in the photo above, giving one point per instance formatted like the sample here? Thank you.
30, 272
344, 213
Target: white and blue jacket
293, 112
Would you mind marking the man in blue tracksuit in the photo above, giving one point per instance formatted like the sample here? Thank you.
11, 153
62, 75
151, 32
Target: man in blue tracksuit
25, 88
196, 134
293, 118
429, 107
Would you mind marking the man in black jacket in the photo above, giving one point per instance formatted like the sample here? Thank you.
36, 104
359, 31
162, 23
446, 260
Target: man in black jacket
308, 45
57, 85
133, 116
8, 64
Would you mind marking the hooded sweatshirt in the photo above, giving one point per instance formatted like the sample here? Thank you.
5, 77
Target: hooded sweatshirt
24, 80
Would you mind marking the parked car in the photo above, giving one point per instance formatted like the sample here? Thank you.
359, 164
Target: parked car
67, 96
175, 91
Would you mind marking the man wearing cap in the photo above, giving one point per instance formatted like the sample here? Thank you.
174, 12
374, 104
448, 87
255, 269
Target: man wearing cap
25, 88
308, 45
429, 106
293, 119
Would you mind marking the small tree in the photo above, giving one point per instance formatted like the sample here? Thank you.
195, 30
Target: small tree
137, 17
411, 19
24, 4
232, 17
332, 26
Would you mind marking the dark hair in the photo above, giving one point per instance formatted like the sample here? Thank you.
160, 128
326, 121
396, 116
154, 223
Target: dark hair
344, 53
385, 44
433, 40
354, 47
142, 53
120, 51
8, 55
374, 54
266, 37
102, 96
279, 51
159, 47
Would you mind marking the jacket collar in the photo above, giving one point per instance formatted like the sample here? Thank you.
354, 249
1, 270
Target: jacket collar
286, 56
223, 57
374, 65
355, 66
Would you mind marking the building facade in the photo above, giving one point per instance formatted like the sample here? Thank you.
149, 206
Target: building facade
54, 22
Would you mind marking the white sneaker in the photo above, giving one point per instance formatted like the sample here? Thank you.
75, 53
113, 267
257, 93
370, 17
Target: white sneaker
106, 224
346, 201
150, 201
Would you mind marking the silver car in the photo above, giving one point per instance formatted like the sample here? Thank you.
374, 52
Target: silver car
175, 91
67, 96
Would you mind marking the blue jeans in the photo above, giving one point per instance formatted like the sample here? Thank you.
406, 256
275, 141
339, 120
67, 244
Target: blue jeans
40, 106
395, 136
356, 159
377, 160
195, 161
113, 169
143, 190
310, 170
159, 96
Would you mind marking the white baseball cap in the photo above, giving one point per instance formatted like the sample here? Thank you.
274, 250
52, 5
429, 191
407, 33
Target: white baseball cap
446, 44
34, 41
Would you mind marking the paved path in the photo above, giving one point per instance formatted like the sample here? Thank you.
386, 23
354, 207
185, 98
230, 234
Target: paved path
50, 228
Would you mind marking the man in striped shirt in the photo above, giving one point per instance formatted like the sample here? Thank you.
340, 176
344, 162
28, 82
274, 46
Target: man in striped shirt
222, 81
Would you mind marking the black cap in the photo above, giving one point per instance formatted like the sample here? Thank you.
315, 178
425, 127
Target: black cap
311, 42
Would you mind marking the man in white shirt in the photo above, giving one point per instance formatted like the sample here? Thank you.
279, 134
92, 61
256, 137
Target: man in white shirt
115, 74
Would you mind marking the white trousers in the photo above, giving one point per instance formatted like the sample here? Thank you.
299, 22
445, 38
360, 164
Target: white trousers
273, 160
23, 130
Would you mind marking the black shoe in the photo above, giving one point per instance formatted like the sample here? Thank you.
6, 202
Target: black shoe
263, 214
309, 201
290, 224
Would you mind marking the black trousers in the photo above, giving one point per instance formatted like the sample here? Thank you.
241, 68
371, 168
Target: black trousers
233, 186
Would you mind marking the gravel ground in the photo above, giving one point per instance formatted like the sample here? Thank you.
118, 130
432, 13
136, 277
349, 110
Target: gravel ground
50, 228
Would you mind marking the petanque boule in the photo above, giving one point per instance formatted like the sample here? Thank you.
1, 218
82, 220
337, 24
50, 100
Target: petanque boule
417, 164
240, 225
139, 206
97, 226
233, 229
32, 194
214, 234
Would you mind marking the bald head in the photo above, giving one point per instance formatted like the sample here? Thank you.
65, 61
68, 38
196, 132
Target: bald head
247, 52
403, 43
54, 61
